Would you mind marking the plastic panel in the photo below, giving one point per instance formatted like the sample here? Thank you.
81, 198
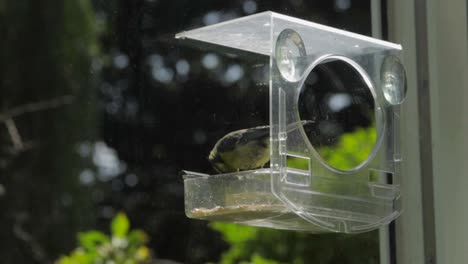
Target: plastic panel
320, 197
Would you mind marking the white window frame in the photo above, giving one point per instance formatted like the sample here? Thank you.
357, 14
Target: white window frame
434, 35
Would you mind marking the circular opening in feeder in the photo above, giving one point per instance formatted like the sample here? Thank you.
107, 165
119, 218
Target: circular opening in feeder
338, 97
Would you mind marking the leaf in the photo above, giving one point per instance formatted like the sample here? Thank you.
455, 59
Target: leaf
352, 149
257, 259
120, 225
143, 253
137, 238
123, 247
91, 239
77, 257
234, 233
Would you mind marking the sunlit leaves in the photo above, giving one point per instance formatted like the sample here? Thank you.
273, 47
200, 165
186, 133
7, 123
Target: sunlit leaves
235, 233
257, 259
351, 149
120, 225
91, 239
122, 247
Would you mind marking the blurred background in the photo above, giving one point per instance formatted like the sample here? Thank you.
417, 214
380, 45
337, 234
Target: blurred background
100, 110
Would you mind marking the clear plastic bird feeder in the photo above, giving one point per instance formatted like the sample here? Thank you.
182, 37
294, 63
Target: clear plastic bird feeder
324, 179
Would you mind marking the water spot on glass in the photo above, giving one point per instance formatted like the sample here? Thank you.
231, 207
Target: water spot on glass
182, 67
121, 61
199, 136
131, 107
393, 80
338, 102
106, 88
342, 5
131, 180
101, 18
210, 61
84, 149
86, 177
233, 73
107, 211
155, 60
112, 108
249, 7
212, 17
330, 128
96, 64
290, 54
163, 74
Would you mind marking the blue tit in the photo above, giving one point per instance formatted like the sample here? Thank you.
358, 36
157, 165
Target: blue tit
244, 149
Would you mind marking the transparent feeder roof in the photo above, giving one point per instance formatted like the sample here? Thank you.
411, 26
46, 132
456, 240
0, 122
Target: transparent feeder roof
254, 34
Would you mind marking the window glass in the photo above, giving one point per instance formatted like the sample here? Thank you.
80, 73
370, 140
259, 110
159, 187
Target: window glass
100, 110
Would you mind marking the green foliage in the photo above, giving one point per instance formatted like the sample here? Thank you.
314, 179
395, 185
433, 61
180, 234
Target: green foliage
233, 234
269, 246
351, 150
120, 225
122, 247
257, 259
81, 29
297, 163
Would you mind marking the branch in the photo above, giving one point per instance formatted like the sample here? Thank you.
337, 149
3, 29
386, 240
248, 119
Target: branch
37, 251
34, 107
14, 135
7, 117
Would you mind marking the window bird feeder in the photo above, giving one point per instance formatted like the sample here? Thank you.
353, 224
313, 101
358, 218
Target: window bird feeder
321, 179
